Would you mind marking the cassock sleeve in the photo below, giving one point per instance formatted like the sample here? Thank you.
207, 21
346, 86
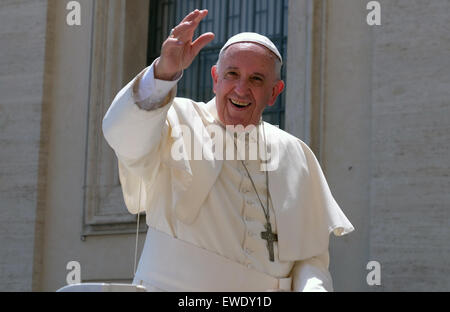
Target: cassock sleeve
150, 92
312, 275
306, 210
131, 131
138, 137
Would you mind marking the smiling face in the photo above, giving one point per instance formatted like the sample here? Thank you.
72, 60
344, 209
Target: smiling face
245, 82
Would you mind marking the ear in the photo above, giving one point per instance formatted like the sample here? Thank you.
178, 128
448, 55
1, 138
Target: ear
276, 90
215, 76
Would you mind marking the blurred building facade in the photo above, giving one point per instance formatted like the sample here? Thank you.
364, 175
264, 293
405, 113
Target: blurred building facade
373, 102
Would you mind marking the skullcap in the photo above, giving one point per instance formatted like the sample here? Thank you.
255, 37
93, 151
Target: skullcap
255, 38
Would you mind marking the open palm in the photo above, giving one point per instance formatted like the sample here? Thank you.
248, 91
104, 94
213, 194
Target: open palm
178, 51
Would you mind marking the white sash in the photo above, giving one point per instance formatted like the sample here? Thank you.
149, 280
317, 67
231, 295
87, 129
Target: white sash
171, 264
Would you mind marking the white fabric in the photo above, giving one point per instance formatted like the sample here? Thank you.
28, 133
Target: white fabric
164, 269
312, 275
205, 203
154, 90
255, 38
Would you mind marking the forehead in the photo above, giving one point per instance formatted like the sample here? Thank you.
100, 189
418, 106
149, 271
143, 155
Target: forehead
248, 54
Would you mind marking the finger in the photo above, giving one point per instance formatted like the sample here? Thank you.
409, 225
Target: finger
194, 15
185, 30
201, 42
202, 14
191, 16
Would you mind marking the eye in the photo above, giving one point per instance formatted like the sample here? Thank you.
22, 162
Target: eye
257, 80
231, 75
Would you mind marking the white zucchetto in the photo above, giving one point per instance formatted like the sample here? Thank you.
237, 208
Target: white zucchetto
255, 38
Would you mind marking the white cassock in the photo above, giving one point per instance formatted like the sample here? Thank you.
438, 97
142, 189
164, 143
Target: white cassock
204, 216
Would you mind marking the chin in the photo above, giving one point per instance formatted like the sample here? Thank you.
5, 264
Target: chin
236, 122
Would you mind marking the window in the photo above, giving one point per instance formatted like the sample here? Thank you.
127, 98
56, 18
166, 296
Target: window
225, 19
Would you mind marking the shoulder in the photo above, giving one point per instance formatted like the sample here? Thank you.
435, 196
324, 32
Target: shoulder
180, 103
281, 135
188, 111
291, 144
188, 105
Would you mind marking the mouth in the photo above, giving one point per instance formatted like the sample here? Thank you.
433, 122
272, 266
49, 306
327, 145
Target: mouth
240, 104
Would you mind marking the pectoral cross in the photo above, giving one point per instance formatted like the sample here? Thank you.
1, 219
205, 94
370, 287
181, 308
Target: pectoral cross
270, 237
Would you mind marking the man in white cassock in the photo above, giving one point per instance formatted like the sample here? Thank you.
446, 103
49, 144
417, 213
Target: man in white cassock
218, 222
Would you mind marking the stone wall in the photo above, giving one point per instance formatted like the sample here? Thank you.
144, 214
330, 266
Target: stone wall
410, 186
22, 63
383, 136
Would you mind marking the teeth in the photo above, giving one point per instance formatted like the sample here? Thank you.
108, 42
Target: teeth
238, 103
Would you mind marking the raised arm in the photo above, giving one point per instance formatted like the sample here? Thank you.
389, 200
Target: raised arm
134, 124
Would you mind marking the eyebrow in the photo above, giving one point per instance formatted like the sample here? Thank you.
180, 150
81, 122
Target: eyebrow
236, 68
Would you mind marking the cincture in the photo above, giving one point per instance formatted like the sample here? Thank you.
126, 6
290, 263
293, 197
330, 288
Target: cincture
174, 265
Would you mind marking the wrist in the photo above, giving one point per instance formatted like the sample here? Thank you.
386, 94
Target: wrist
163, 75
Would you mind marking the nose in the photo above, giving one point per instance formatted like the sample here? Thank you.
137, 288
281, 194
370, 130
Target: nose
241, 87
